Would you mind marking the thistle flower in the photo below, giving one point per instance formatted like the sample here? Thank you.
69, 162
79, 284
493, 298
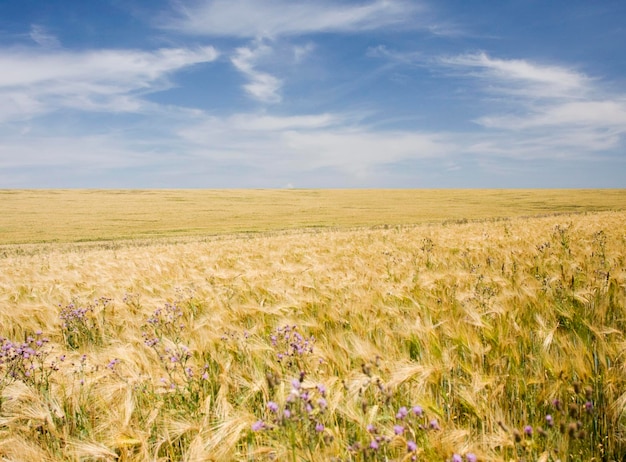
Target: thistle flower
319, 427
528, 430
434, 425
411, 446
549, 420
398, 429
258, 426
471, 457
272, 406
456, 458
402, 413
418, 411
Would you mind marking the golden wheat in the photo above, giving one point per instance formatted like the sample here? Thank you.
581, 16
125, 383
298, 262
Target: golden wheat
36, 216
177, 353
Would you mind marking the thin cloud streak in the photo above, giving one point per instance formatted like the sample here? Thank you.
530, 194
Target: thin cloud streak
600, 114
41, 37
274, 18
520, 77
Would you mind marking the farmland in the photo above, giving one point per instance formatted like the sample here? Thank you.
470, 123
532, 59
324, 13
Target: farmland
313, 325
39, 216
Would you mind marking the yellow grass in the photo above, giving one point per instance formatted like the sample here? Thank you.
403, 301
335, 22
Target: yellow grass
483, 324
87, 215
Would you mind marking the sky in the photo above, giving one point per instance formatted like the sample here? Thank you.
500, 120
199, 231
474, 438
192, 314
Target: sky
312, 94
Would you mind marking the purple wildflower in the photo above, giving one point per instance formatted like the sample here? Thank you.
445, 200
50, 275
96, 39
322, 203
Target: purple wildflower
528, 430
402, 413
398, 429
272, 406
258, 426
418, 411
319, 427
588, 406
434, 425
471, 457
411, 446
457, 458
549, 420
374, 445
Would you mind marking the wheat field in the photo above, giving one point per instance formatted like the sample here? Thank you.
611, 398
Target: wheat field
39, 216
492, 340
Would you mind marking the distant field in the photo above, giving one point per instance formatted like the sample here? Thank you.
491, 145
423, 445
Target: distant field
36, 216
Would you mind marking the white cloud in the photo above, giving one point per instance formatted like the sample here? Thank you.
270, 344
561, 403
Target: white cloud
262, 86
381, 51
91, 152
361, 151
300, 51
40, 36
256, 122
558, 112
34, 82
601, 114
520, 77
273, 18
306, 143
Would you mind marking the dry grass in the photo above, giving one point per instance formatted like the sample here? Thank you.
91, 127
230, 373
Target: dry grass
88, 215
482, 324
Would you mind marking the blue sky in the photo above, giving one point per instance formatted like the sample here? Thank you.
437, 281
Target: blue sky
312, 94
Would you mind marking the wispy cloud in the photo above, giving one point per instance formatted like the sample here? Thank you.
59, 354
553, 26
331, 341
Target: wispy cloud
262, 86
40, 36
265, 122
555, 106
603, 114
273, 18
530, 110
35, 82
559, 112
520, 77
310, 142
